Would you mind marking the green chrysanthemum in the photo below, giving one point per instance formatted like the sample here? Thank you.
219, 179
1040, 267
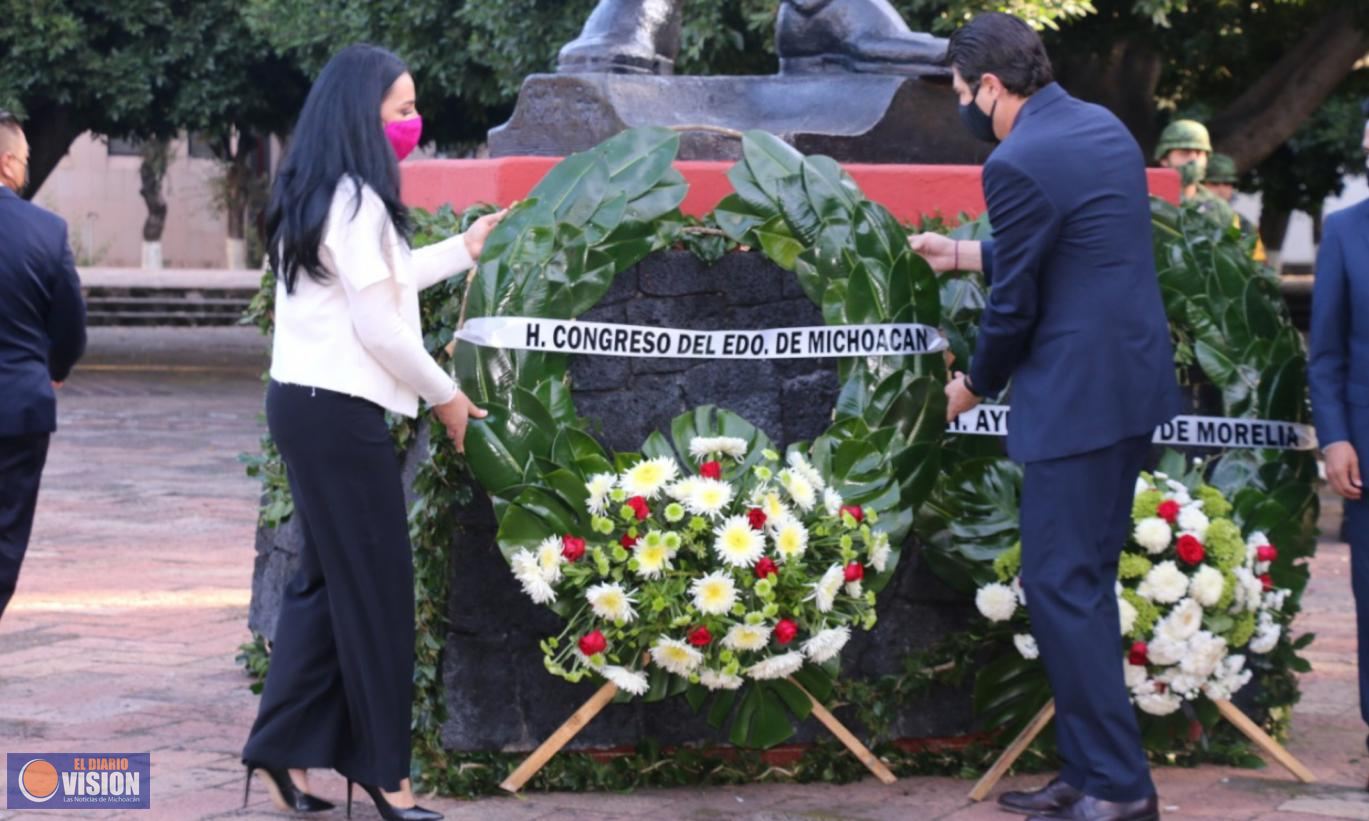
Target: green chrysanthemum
1241, 631
1147, 613
1145, 504
1133, 566
1228, 592
1214, 503
1225, 547
1008, 563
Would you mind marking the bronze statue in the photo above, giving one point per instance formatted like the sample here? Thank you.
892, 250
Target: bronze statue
643, 37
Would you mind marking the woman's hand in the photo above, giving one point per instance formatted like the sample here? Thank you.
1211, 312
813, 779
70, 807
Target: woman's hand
479, 231
455, 414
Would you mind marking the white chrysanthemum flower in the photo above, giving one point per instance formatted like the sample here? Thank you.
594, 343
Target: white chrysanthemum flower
1166, 582
1256, 539
747, 637
781, 666
831, 502
1153, 534
1205, 653
1229, 678
675, 656
1266, 636
714, 594
1193, 520
1207, 585
647, 477
770, 504
1178, 491
737, 544
801, 466
1180, 683
709, 497
599, 487
826, 644
997, 602
1275, 599
610, 601
1126, 613
719, 680
550, 557
1182, 622
1158, 704
528, 572
1249, 591
799, 489
880, 551
855, 589
1026, 645
653, 558
629, 681
703, 446
684, 490
1136, 676
790, 536
1164, 651
825, 590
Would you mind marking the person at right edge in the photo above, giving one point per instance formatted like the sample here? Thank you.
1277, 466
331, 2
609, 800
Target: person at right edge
1338, 382
1074, 318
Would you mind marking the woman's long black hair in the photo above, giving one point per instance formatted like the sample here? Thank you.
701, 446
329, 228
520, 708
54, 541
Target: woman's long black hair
338, 133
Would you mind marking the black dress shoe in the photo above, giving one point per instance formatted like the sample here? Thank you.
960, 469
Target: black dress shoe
1053, 797
1089, 808
284, 794
389, 812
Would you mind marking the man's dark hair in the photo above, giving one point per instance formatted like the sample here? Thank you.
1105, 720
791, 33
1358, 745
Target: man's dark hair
1004, 46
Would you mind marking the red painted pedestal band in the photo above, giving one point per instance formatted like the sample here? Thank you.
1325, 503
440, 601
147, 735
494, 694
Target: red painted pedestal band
909, 191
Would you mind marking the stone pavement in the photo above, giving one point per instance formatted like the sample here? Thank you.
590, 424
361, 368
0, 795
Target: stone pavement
134, 597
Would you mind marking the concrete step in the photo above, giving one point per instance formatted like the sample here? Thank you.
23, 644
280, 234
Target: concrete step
143, 306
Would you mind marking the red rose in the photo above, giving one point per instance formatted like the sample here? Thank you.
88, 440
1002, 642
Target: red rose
855, 571
786, 630
711, 470
855, 511
593, 642
1138, 655
766, 567
1267, 553
572, 548
756, 517
1267, 581
1168, 510
639, 507
700, 637
628, 541
1190, 550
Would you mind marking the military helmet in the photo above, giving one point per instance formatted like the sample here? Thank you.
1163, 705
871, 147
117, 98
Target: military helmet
1221, 169
1183, 134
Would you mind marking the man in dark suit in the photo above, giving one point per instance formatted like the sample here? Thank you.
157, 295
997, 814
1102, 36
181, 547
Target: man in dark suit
42, 334
1075, 319
1338, 374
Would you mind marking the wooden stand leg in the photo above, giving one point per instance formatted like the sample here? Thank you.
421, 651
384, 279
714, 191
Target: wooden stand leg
1015, 749
1274, 749
859, 750
573, 725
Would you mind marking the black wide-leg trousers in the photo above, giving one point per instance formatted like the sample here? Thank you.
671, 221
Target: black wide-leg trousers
339, 692
21, 470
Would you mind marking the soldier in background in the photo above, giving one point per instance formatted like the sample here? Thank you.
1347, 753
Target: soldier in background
1220, 181
1186, 147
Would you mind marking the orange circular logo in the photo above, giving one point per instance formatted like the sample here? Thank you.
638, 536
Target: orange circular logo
38, 780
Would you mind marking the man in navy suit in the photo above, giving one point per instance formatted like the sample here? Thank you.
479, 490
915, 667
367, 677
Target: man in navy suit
1338, 374
1074, 318
42, 334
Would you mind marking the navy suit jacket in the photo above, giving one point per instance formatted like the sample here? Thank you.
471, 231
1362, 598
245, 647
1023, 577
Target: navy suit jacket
1074, 315
42, 315
1338, 371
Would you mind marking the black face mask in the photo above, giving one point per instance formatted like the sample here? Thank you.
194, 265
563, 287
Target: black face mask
979, 123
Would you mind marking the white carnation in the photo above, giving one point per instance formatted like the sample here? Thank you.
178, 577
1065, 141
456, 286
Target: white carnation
1207, 585
1026, 645
1266, 636
1158, 704
826, 644
1163, 652
1249, 591
997, 602
1182, 622
781, 666
1180, 683
1153, 534
1205, 653
1166, 582
1136, 675
1127, 615
1193, 520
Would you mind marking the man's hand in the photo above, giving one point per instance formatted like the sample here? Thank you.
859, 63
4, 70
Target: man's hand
455, 414
479, 231
57, 386
938, 250
1342, 470
959, 397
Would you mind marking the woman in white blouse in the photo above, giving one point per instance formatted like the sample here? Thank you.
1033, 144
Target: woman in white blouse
348, 348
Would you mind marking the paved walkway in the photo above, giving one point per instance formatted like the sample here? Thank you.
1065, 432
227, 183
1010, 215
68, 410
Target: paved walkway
134, 600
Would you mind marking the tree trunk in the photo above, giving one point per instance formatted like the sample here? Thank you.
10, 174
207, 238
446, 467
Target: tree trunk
51, 129
156, 157
1123, 80
1272, 109
1273, 226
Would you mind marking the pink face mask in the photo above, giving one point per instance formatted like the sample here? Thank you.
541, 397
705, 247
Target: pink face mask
404, 135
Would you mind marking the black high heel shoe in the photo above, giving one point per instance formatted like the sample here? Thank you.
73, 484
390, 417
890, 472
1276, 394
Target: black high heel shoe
284, 794
390, 812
